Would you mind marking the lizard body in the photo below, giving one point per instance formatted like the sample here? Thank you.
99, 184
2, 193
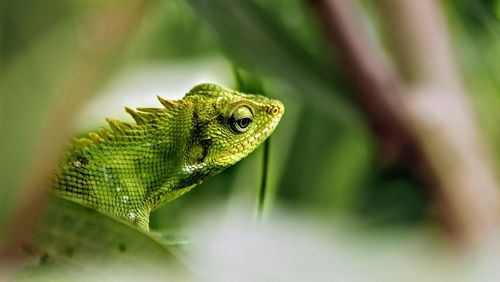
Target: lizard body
134, 168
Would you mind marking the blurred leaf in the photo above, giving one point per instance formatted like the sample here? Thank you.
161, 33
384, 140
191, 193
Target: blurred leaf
476, 34
28, 83
256, 39
392, 198
73, 240
41, 18
172, 31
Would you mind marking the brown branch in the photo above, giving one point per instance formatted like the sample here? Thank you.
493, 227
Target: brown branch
100, 37
379, 92
424, 118
442, 117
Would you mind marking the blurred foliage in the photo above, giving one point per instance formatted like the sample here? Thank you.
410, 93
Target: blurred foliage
323, 161
476, 32
61, 252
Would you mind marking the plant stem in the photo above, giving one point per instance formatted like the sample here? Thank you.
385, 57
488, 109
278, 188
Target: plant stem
263, 191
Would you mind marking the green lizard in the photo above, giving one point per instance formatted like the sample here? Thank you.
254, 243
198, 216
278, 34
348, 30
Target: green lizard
136, 167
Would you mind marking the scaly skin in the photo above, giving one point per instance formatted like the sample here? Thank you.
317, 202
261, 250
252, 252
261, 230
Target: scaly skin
135, 168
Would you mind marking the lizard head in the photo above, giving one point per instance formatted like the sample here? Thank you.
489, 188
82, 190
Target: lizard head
229, 125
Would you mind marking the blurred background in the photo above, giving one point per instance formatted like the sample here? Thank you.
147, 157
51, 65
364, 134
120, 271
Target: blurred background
66, 65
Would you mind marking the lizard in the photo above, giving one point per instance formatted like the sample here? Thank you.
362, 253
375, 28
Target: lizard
131, 168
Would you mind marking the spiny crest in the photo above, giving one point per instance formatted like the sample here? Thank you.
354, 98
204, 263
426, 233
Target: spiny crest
141, 116
209, 89
120, 127
166, 102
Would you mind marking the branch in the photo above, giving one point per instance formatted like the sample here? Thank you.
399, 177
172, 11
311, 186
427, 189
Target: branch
421, 116
442, 117
379, 92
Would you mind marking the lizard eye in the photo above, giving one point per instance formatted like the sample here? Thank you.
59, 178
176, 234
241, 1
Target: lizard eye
241, 119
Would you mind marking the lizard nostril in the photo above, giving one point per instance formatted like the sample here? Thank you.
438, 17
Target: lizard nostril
274, 110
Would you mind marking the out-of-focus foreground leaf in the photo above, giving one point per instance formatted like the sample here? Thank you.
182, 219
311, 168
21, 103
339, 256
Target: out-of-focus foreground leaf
31, 65
74, 241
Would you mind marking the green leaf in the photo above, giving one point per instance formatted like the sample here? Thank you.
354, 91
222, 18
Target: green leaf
75, 241
256, 39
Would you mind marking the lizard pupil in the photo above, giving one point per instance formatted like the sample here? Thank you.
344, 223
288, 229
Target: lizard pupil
244, 122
